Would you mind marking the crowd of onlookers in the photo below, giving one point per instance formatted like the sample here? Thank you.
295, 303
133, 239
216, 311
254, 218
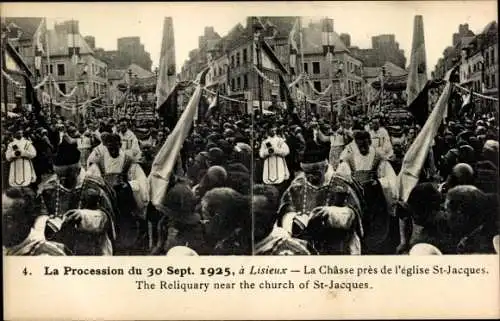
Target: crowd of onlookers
220, 174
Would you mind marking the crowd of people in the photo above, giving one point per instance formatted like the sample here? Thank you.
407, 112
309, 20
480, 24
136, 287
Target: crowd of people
262, 184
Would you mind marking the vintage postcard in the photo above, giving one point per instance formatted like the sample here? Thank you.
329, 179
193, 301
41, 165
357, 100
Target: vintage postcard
250, 160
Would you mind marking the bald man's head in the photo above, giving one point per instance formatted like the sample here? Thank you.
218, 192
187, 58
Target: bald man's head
461, 174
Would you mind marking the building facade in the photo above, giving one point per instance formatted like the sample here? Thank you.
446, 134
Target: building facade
453, 54
86, 72
21, 36
344, 72
479, 62
129, 50
384, 48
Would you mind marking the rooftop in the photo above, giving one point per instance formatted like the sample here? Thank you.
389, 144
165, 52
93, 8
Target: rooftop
59, 43
312, 38
28, 25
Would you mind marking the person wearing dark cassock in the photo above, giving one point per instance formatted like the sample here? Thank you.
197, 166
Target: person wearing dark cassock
121, 171
297, 145
20, 153
328, 200
43, 161
77, 210
269, 239
363, 164
19, 212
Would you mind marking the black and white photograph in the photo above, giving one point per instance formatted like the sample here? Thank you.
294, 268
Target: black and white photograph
357, 131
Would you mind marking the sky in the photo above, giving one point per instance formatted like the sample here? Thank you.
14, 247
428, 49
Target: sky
362, 20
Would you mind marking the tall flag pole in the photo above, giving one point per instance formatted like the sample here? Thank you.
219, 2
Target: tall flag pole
167, 71
49, 74
293, 47
165, 160
417, 73
37, 44
416, 155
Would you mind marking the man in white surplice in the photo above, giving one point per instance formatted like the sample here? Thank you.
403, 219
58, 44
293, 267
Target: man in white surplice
121, 171
274, 150
363, 162
381, 139
130, 143
19, 153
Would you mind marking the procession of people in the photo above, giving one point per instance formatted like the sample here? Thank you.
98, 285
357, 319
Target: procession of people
294, 186
293, 178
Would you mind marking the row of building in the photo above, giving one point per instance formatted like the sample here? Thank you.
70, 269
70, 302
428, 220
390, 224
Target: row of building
477, 55
94, 73
234, 56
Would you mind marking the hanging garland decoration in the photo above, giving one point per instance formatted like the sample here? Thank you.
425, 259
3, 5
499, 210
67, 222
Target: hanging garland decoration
63, 94
224, 97
475, 94
12, 80
324, 92
261, 74
42, 82
295, 82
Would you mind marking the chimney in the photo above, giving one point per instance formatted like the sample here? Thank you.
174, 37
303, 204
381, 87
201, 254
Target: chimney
346, 39
90, 40
209, 31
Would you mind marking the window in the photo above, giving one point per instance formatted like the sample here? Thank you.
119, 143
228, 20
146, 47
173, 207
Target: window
486, 58
492, 56
232, 61
237, 59
73, 51
245, 81
62, 87
493, 81
487, 82
61, 70
238, 83
232, 84
317, 85
305, 68
315, 67
244, 55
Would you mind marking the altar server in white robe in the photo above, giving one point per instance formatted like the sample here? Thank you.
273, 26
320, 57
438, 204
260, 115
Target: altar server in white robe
381, 140
274, 150
19, 153
130, 143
